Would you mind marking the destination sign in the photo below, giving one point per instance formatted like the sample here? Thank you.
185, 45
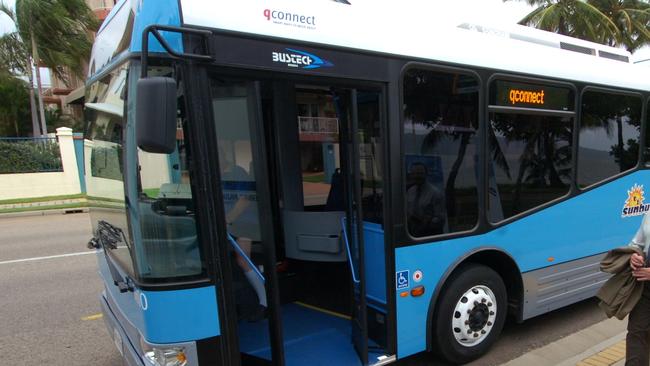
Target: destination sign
527, 95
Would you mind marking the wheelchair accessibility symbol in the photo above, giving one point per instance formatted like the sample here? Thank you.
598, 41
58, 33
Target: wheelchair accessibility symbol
402, 279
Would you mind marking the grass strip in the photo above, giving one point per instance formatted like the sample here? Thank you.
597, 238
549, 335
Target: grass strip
42, 199
44, 208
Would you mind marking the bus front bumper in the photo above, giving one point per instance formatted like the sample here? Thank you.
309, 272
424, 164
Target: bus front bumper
129, 355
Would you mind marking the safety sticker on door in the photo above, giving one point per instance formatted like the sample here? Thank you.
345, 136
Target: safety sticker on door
402, 279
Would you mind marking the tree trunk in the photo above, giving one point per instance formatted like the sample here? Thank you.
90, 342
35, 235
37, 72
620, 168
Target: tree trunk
14, 112
32, 103
40, 87
453, 173
621, 144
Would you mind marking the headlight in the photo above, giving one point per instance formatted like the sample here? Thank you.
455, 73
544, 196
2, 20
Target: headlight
164, 356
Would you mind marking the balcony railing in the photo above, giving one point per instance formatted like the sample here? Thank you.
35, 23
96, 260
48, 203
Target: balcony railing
318, 125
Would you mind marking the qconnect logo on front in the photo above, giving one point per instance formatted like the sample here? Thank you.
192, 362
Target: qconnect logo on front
300, 59
290, 19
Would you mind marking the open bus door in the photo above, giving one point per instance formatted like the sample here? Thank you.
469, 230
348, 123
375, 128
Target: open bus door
255, 167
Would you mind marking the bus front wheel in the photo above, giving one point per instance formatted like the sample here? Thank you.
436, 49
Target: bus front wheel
470, 313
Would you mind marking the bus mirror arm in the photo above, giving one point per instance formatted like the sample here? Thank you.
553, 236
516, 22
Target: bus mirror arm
156, 98
155, 29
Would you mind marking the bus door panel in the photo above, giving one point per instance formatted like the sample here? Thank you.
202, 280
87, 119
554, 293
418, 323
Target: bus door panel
236, 107
346, 103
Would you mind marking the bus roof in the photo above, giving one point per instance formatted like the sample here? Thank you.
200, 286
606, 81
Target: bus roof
414, 30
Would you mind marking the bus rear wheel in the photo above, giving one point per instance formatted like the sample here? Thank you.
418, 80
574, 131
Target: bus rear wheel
470, 313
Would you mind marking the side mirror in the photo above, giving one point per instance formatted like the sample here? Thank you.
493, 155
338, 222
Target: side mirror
156, 115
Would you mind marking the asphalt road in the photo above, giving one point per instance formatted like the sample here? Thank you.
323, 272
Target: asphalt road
45, 302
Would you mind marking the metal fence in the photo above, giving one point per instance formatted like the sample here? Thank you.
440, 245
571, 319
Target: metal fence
29, 155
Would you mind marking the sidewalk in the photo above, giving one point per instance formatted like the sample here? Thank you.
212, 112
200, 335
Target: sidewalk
602, 344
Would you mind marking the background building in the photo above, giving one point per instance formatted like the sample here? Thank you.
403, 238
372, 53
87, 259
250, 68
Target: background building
69, 97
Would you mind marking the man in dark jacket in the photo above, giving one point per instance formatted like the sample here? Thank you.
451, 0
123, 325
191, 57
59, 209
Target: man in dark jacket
638, 325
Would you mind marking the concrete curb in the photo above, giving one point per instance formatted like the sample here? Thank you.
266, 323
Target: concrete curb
594, 350
55, 211
576, 347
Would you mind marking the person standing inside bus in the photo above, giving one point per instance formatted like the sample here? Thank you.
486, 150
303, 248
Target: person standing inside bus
242, 223
424, 204
638, 326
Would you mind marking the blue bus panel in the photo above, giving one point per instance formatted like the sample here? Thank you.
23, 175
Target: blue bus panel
582, 226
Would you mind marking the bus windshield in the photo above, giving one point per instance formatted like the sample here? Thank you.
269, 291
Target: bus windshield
167, 245
161, 238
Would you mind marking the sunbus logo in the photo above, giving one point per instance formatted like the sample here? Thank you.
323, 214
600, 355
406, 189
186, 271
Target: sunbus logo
288, 18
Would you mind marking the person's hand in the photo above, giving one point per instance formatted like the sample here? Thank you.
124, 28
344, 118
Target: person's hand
642, 274
636, 261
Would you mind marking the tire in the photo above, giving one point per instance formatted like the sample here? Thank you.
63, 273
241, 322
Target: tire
470, 314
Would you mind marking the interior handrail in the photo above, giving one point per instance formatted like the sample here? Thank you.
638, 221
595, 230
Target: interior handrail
241, 252
347, 246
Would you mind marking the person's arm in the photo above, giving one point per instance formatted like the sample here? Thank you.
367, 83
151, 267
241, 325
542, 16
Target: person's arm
240, 206
637, 261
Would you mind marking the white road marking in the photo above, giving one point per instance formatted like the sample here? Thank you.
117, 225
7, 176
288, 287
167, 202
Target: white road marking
48, 257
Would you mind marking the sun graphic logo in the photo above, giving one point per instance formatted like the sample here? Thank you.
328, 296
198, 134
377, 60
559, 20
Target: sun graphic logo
634, 204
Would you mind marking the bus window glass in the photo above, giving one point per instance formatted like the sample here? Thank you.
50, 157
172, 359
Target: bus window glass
610, 129
441, 151
647, 136
529, 162
168, 246
104, 168
370, 156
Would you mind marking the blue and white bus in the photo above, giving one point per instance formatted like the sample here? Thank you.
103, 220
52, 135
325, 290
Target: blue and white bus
332, 183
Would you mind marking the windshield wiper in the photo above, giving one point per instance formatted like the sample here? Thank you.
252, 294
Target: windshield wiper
107, 237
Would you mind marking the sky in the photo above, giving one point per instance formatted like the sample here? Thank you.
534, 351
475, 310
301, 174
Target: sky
6, 24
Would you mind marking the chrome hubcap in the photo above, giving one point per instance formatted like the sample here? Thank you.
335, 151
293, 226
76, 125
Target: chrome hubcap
474, 316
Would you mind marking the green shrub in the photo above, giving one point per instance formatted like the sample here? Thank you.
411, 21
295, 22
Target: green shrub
30, 156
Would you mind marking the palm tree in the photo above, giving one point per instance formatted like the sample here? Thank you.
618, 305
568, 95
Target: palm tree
15, 60
632, 17
610, 22
573, 18
54, 33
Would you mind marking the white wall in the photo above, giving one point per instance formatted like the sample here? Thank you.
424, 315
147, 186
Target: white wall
154, 169
100, 187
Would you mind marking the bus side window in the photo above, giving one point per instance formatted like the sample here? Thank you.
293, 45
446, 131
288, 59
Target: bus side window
610, 132
440, 145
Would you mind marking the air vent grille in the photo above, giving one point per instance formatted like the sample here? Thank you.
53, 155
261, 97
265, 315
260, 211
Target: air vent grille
576, 48
613, 56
